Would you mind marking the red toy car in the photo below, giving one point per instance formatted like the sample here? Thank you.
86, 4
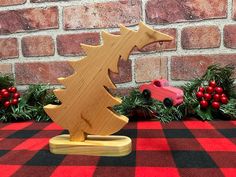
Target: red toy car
162, 91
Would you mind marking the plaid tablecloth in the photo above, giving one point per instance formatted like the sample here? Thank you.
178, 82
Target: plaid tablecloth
178, 149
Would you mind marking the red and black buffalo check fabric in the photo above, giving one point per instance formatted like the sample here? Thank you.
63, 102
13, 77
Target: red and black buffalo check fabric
178, 149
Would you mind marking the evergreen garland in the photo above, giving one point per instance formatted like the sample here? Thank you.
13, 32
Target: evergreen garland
136, 106
223, 76
190, 107
151, 108
37, 96
6, 80
30, 105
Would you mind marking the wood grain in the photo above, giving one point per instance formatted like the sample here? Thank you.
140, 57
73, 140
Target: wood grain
86, 103
93, 145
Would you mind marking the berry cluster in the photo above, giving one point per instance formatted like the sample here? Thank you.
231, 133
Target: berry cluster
211, 95
9, 97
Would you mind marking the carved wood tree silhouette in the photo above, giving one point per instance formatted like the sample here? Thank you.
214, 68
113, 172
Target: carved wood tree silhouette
85, 100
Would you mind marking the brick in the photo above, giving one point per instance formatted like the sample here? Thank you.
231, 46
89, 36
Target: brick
69, 44
149, 68
8, 48
11, 2
190, 67
200, 37
165, 46
37, 46
169, 11
6, 68
121, 91
230, 36
234, 10
101, 15
125, 72
42, 72
28, 19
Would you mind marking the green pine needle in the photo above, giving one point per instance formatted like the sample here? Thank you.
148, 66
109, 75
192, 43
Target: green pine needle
155, 108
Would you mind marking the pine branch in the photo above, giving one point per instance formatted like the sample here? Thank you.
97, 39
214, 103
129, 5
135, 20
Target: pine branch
153, 108
6, 80
37, 96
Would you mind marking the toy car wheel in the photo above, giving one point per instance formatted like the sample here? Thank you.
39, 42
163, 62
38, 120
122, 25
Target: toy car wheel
146, 93
168, 102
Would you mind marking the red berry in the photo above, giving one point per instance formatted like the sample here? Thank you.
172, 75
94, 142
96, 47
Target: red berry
210, 89
201, 89
207, 96
216, 97
212, 83
9, 89
203, 104
14, 101
199, 95
13, 89
215, 105
224, 100
16, 95
6, 94
7, 104
219, 90
223, 95
3, 90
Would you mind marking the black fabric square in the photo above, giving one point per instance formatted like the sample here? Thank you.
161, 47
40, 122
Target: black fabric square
3, 152
132, 133
228, 133
178, 133
193, 159
65, 132
23, 134
129, 160
45, 158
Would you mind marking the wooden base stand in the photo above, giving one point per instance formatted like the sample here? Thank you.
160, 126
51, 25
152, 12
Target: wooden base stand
94, 145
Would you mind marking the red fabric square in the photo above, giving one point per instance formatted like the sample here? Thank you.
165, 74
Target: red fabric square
16, 157
184, 144
32, 144
200, 172
1, 139
34, 171
53, 126
80, 160
149, 125
6, 133
222, 124
151, 133
152, 144
217, 144
47, 134
198, 125
107, 171
228, 172
74, 171
174, 125
224, 159
156, 172
38, 126
8, 170
206, 133
154, 159
9, 144
17, 126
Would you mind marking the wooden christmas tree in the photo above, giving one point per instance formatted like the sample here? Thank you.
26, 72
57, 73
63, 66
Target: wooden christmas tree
86, 103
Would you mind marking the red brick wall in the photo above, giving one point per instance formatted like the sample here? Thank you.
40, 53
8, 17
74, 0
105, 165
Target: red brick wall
37, 37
